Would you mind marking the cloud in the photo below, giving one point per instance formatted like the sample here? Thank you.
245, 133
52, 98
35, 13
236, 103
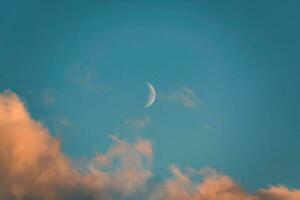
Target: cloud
33, 167
83, 77
61, 124
88, 78
44, 97
31, 162
279, 193
185, 96
48, 97
128, 167
138, 123
214, 186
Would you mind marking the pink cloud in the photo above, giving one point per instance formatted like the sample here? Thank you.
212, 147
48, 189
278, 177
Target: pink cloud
31, 162
33, 166
214, 186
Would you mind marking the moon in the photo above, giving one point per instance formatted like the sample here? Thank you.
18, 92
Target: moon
151, 96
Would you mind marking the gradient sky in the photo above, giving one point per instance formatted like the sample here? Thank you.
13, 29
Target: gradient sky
226, 74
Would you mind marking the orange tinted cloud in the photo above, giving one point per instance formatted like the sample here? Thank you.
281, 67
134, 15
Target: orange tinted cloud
33, 166
214, 186
279, 193
127, 168
31, 162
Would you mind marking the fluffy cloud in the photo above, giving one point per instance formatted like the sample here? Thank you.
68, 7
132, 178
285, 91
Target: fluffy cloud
214, 186
185, 96
33, 167
123, 169
31, 163
279, 193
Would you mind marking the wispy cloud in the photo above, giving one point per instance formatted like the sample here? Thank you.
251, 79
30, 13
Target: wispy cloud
184, 96
48, 97
33, 166
87, 77
61, 123
45, 97
137, 123
83, 76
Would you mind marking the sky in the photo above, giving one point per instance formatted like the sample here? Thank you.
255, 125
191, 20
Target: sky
226, 75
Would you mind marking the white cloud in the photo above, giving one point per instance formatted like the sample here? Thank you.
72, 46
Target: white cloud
184, 96
138, 123
87, 77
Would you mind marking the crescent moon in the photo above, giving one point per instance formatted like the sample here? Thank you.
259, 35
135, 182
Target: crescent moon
152, 95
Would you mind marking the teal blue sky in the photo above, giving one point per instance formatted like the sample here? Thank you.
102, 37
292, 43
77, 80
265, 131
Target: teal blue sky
226, 74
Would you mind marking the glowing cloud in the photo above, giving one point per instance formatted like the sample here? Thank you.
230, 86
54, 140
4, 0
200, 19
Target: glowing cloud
32, 166
214, 187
